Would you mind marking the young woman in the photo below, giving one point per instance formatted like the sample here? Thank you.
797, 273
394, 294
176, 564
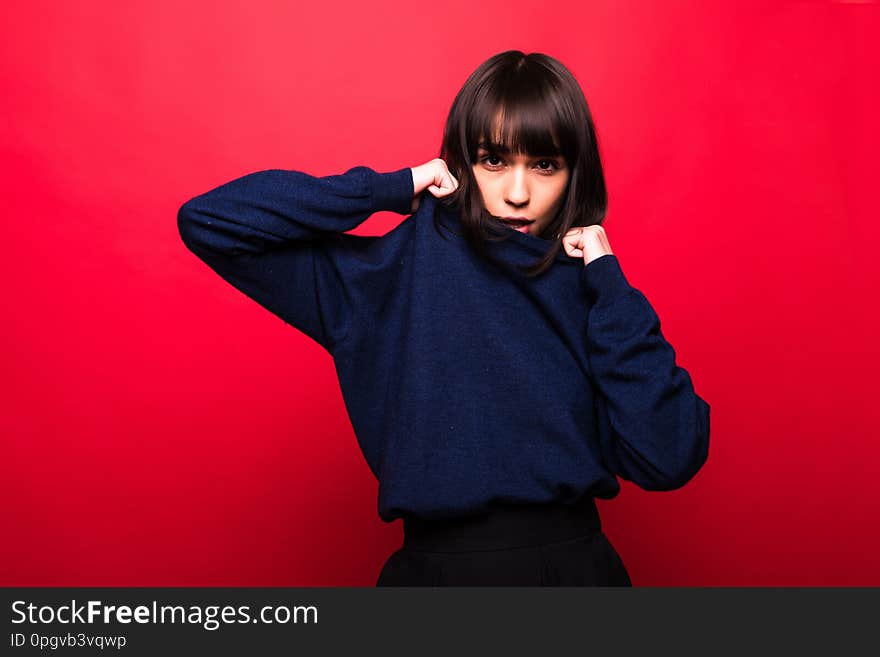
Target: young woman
499, 370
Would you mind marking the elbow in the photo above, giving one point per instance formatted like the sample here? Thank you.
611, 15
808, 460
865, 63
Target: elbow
194, 228
681, 461
683, 472
692, 454
186, 225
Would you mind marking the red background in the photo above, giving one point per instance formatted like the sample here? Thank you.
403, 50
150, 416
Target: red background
160, 428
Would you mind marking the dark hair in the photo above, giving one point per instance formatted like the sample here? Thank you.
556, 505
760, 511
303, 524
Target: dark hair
541, 109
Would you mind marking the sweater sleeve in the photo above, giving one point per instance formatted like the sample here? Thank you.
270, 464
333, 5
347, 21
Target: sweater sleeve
275, 236
653, 427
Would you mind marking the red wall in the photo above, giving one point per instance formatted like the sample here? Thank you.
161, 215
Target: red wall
159, 428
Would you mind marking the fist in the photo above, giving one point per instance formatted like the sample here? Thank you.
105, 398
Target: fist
587, 242
433, 176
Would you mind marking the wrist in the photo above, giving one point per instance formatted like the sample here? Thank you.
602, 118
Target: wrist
418, 183
392, 191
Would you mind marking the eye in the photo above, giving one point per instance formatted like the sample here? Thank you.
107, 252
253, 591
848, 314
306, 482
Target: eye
553, 165
549, 166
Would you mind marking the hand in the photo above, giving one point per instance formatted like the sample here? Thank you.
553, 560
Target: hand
587, 241
433, 176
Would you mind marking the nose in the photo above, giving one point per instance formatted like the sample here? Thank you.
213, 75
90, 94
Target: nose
516, 192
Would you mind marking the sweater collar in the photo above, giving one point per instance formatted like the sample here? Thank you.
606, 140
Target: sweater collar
518, 248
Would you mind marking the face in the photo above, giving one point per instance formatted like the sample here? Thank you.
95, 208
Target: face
531, 186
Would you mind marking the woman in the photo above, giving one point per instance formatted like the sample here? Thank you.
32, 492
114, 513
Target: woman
500, 374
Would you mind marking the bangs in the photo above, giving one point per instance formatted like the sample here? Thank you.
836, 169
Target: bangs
517, 123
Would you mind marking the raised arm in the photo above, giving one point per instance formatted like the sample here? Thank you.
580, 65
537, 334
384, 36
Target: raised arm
654, 428
275, 235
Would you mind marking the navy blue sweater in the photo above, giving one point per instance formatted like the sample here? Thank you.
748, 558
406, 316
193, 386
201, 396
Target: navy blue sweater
465, 383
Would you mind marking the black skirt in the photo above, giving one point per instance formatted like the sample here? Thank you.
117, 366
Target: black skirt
512, 545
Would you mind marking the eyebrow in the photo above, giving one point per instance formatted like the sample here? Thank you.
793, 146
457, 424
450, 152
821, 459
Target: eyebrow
492, 147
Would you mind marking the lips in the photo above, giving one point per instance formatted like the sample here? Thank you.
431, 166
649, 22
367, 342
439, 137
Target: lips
518, 224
